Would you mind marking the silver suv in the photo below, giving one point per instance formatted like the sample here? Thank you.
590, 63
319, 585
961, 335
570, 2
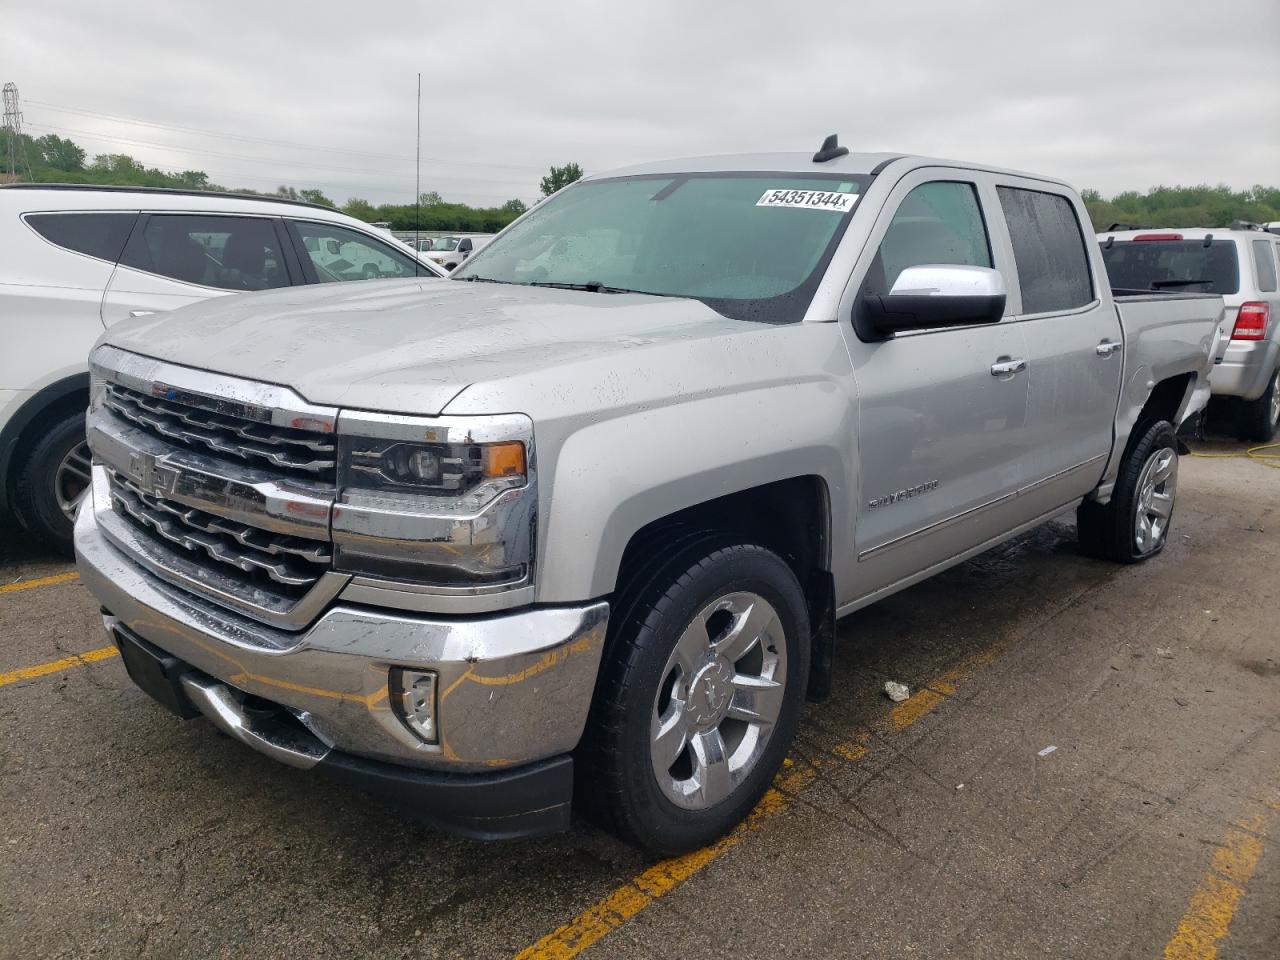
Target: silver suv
1238, 264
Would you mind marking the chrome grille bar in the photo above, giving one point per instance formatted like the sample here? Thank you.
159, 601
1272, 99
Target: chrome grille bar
291, 562
294, 450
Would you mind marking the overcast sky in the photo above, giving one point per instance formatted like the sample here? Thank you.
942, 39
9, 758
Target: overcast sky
1114, 95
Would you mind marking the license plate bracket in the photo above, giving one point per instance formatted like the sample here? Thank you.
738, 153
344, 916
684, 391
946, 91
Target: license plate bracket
157, 673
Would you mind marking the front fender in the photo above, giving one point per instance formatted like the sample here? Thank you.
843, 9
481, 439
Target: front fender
616, 476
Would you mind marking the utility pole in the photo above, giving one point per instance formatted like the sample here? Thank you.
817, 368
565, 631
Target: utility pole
13, 126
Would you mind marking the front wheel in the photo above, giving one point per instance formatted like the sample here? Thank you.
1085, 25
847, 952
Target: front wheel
700, 696
53, 481
1135, 524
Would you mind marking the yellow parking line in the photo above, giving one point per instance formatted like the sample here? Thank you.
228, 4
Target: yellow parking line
41, 582
641, 891
54, 666
1213, 905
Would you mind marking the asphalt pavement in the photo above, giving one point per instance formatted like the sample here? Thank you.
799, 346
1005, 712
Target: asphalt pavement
1089, 766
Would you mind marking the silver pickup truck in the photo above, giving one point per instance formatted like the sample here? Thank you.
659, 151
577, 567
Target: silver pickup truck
579, 521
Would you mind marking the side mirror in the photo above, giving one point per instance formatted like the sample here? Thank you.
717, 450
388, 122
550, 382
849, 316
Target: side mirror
935, 296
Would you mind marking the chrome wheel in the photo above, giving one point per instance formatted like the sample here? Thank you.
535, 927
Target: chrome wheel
1156, 487
71, 479
1275, 398
719, 699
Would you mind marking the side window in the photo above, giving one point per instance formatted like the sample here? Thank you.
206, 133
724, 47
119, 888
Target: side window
1049, 250
338, 254
1263, 257
230, 253
100, 235
936, 223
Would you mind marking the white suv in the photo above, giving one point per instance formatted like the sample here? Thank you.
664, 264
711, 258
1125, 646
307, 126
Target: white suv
1240, 264
78, 259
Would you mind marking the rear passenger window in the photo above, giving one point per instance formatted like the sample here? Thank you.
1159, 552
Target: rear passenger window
1266, 266
1049, 250
230, 253
100, 235
936, 223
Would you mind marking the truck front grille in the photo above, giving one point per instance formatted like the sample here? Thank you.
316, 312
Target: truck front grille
219, 486
293, 451
284, 568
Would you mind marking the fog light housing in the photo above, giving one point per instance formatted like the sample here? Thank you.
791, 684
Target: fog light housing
413, 697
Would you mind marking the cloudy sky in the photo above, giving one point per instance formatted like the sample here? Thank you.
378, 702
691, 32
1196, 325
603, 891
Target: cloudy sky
1114, 95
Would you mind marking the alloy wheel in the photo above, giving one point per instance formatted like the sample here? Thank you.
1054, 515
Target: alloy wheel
1157, 485
720, 697
71, 479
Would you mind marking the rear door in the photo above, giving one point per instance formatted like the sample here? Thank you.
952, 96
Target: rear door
941, 435
173, 259
1073, 337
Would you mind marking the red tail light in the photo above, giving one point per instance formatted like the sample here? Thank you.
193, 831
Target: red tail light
1251, 321
1158, 236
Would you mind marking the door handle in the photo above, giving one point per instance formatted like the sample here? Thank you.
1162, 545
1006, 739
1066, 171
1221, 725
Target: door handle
1008, 366
141, 313
1107, 347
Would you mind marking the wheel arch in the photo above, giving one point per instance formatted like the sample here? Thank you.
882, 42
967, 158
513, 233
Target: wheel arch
791, 517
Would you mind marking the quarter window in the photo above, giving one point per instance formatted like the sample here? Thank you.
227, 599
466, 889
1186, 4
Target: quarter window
1049, 250
100, 235
936, 223
1266, 266
229, 253
338, 254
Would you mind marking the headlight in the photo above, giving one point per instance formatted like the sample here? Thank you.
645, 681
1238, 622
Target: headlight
447, 504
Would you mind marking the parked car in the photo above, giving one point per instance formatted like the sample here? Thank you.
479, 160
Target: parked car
79, 258
1241, 266
449, 252
593, 520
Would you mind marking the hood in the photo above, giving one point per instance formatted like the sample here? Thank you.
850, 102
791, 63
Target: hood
410, 346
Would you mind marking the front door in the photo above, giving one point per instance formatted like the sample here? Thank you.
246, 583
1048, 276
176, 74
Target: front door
942, 413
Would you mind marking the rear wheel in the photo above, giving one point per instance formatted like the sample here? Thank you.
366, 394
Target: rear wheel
53, 481
1259, 418
700, 695
1135, 524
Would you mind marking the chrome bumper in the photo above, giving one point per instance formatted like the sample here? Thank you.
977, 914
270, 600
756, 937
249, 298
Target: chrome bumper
512, 688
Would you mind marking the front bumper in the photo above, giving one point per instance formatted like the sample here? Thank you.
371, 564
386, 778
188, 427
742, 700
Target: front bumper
1246, 369
513, 689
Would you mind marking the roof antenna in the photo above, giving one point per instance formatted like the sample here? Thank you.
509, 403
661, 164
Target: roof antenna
830, 150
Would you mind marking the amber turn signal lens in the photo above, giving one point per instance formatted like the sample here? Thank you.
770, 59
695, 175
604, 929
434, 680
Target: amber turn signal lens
504, 460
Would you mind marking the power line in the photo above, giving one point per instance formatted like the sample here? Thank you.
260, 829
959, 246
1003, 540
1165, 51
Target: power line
282, 143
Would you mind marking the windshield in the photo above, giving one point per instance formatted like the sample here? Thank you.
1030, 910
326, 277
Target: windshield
1178, 265
445, 243
751, 246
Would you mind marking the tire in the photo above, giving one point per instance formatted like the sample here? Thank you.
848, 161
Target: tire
1258, 418
1135, 525
51, 479
698, 641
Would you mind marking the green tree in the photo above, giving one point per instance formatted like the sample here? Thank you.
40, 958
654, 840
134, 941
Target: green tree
560, 177
58, 153
360, 209
430, 199
515, 206
316, 196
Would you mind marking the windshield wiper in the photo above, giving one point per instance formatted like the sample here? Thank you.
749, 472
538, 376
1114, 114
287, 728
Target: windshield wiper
594, 286
475, 279
1159, 284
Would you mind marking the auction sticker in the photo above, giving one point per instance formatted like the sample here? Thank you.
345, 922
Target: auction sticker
809, 200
